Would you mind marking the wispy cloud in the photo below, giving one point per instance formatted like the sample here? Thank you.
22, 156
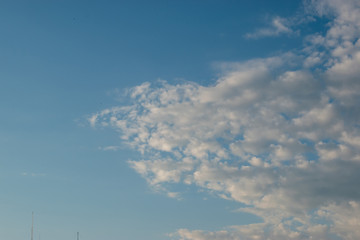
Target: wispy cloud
277, 26
271, 133
109, 148
26, 174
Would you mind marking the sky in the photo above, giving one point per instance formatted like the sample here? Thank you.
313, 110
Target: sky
180, 120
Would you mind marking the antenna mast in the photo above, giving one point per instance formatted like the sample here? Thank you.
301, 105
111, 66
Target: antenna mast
32, 227
77, 235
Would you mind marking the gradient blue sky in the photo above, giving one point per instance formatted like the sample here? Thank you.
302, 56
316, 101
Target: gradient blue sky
63, 62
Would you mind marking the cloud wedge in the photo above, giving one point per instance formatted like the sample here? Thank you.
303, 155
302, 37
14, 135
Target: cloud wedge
280, 135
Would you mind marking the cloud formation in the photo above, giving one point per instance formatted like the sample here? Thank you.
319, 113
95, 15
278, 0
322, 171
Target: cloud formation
280, 135
277, 26
26, 174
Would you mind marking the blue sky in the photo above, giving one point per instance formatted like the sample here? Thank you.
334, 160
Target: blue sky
182, 120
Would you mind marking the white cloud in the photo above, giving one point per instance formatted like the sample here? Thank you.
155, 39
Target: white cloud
344, 217
109, 148
271, 133
276, 27
33, 174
